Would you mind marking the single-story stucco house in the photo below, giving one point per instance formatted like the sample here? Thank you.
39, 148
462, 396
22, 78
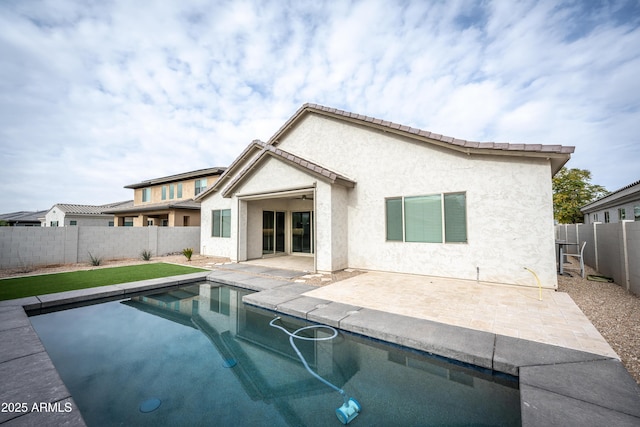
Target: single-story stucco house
619, 205
353, 191
68, 214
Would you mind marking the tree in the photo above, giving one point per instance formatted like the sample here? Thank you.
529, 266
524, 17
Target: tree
571, 191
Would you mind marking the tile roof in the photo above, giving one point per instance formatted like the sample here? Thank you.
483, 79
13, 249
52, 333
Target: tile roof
73, 209
299, 162
303, 163
23, 216
178, 177
415, 132
628, 192
181, 204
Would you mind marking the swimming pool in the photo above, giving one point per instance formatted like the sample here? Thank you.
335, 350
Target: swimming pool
210, 360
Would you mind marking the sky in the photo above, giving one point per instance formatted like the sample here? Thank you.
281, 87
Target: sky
96, 95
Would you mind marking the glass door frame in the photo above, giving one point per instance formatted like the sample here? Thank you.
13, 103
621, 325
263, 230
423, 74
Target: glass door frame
273, 232
311, 227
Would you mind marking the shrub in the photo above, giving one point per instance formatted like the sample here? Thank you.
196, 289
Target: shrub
187, 252
95, 260
146, 254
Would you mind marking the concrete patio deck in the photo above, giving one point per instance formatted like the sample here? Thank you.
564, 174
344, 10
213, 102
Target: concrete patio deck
500, 309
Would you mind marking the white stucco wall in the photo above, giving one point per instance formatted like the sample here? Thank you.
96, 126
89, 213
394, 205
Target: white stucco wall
509, 203
54, 214
218, 246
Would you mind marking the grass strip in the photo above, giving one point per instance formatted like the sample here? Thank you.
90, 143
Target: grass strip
19, 287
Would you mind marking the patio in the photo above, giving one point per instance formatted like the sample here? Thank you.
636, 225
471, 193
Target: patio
501, 309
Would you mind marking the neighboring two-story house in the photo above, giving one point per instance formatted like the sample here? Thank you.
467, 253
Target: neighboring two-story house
167, 201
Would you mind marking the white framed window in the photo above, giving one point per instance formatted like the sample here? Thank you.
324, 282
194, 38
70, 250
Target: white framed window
434, 218
622, 214
221, 223
606, 217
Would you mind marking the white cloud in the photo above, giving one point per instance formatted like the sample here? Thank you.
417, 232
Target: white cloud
94, 96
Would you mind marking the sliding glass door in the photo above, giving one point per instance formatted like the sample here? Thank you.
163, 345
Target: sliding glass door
273, 232
302, 229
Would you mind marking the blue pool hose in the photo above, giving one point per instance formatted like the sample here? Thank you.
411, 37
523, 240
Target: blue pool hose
350, 407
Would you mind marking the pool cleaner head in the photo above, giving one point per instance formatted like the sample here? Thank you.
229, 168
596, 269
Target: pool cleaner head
350, 408
348, 411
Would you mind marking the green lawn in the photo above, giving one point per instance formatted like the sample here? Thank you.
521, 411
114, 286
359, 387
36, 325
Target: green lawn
19, 287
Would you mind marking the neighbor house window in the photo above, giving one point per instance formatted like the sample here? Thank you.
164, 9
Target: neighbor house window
164, 192
73, 222
171, 191
622, 214
201, 185
54, 223
179, 191
606, 217
146, 195
432, 218
595, 217
221, 223
636, 213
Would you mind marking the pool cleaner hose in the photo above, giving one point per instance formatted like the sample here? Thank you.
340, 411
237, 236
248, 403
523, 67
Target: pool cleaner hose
350, 407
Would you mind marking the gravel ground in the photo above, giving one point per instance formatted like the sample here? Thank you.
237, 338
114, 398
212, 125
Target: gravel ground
613, 311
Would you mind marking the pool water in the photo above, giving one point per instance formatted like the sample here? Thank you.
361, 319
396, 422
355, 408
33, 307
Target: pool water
208, 359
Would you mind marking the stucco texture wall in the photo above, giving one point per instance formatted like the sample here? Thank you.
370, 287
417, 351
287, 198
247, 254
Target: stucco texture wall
218, 246
36, 246
509, 203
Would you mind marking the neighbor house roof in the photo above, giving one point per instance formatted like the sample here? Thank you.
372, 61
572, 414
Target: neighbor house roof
74, 209
558, 154
183, 204
22, 216
628, 193
200, 173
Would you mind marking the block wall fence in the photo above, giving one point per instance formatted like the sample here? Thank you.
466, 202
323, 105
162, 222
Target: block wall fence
612, 249
22, 247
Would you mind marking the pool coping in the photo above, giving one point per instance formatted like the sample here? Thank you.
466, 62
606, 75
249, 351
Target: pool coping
558, 386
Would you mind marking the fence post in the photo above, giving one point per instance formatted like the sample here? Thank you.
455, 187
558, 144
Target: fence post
625, 254
595, 243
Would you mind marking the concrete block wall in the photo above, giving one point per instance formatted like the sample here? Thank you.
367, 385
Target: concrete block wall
612, 249
27, 247
175, 239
